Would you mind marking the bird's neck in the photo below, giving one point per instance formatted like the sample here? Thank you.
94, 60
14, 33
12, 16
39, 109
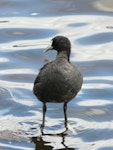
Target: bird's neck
63, 54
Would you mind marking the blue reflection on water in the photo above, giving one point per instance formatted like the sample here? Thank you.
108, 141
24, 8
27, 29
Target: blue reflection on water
98, 38
77, 24
8, 34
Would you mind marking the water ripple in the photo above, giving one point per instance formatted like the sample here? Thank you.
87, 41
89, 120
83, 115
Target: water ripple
99, 38
22, 33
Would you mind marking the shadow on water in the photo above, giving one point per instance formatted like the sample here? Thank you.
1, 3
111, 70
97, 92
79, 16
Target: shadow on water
41, 144
42, 141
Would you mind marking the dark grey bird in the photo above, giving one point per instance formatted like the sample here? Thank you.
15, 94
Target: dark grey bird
58, 81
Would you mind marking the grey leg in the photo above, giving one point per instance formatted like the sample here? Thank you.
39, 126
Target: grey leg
43, 119
65, 115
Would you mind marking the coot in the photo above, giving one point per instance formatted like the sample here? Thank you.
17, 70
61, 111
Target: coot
59, 80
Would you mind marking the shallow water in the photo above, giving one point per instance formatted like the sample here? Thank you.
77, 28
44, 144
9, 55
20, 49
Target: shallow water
26, 28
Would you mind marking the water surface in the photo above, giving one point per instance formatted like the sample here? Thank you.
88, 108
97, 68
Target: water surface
26, 28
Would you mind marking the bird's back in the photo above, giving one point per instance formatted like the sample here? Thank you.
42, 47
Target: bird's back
58, 81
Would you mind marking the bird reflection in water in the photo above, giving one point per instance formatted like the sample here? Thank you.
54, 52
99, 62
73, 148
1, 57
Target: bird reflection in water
41, 144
